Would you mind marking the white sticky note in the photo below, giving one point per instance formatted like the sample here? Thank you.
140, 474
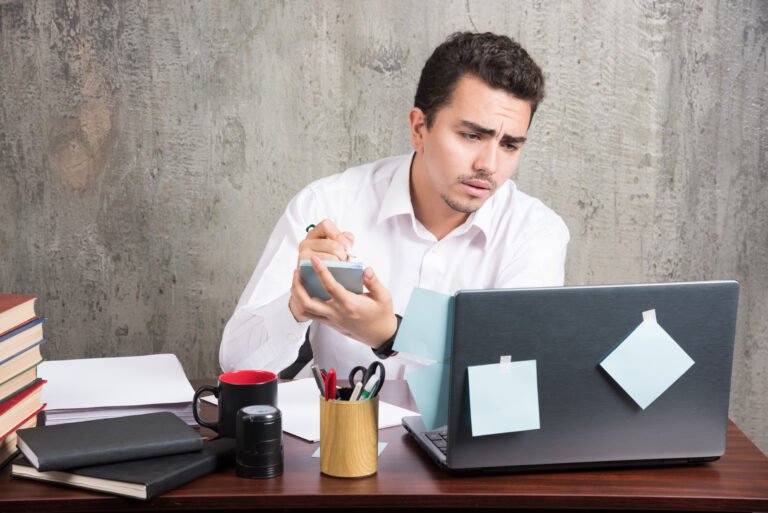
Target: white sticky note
647, 362
503, 397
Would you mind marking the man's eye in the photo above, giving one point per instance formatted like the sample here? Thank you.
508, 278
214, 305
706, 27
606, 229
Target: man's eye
470, 136
510, 147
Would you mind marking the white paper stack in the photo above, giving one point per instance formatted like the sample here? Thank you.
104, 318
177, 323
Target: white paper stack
99, 388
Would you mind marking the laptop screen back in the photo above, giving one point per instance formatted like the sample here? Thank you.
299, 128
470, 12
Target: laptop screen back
585, 416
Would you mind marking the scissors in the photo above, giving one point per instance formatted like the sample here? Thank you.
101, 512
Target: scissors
367, 374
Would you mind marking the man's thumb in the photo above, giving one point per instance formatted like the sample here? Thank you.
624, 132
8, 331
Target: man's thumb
372, 283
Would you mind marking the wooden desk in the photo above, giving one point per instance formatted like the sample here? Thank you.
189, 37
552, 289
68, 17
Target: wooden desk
407, 479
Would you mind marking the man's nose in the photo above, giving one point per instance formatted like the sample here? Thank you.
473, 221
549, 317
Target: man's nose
485, 160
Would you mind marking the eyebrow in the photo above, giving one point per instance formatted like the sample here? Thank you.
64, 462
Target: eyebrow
506, 139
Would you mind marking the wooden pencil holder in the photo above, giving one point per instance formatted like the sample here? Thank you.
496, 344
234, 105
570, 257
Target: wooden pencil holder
349, 437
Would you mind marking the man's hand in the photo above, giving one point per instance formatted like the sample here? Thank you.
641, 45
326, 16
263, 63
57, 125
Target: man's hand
326, 242
367, 317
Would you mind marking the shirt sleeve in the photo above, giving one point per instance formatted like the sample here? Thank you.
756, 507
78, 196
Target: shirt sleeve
262, 332
540, 260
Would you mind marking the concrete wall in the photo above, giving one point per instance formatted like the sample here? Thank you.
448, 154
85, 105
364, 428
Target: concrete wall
147, 148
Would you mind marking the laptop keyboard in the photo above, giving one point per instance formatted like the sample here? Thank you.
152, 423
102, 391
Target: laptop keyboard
440, 439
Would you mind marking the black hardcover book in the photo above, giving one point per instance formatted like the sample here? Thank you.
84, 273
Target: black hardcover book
140, 479
96, 442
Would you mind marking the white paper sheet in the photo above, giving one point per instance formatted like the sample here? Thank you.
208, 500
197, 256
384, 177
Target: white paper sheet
299, 403
110, 382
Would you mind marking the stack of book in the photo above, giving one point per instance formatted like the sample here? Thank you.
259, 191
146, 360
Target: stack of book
139, 456
21, 335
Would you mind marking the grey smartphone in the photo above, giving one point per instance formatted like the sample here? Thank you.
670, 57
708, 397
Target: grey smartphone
348, 274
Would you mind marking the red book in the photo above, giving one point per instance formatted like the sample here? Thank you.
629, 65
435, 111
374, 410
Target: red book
15, 310
16, 409
8, 443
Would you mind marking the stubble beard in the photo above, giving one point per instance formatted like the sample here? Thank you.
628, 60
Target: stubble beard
470, 206
459, 207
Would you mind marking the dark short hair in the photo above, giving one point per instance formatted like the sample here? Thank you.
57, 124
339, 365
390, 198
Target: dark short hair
497, 60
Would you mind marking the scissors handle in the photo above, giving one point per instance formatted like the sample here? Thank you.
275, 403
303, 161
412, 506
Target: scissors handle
353, 374
374, 369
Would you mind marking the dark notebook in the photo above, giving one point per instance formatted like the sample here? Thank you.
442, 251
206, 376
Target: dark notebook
140, 479
96, 442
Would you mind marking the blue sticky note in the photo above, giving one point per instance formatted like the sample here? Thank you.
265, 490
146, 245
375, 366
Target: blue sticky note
348, 274
425, 329
503, 397
429, 387
647, 362
381, 447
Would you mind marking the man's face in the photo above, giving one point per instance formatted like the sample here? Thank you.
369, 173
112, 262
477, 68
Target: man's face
472, 148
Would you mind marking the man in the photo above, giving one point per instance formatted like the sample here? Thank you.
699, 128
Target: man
447, 217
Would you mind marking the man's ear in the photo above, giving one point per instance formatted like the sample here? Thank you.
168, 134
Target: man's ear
418, 128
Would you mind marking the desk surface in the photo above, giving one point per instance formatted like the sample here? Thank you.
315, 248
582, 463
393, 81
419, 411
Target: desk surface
407, 478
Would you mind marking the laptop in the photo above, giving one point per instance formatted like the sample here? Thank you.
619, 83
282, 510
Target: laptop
586, 419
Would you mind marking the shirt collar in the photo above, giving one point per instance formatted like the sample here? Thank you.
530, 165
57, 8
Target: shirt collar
397, 201
483, 218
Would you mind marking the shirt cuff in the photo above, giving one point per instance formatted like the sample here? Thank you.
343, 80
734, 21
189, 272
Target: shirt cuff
384, 351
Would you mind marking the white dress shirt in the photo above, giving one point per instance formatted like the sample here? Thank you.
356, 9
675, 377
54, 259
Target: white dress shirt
512, 241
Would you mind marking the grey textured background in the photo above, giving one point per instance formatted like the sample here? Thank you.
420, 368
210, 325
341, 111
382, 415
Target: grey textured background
147, 148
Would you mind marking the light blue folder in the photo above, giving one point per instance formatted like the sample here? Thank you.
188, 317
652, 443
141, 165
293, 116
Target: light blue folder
426, 332
425, 328
429, 386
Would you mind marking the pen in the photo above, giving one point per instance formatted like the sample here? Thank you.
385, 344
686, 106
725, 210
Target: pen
370, 387
318, 379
